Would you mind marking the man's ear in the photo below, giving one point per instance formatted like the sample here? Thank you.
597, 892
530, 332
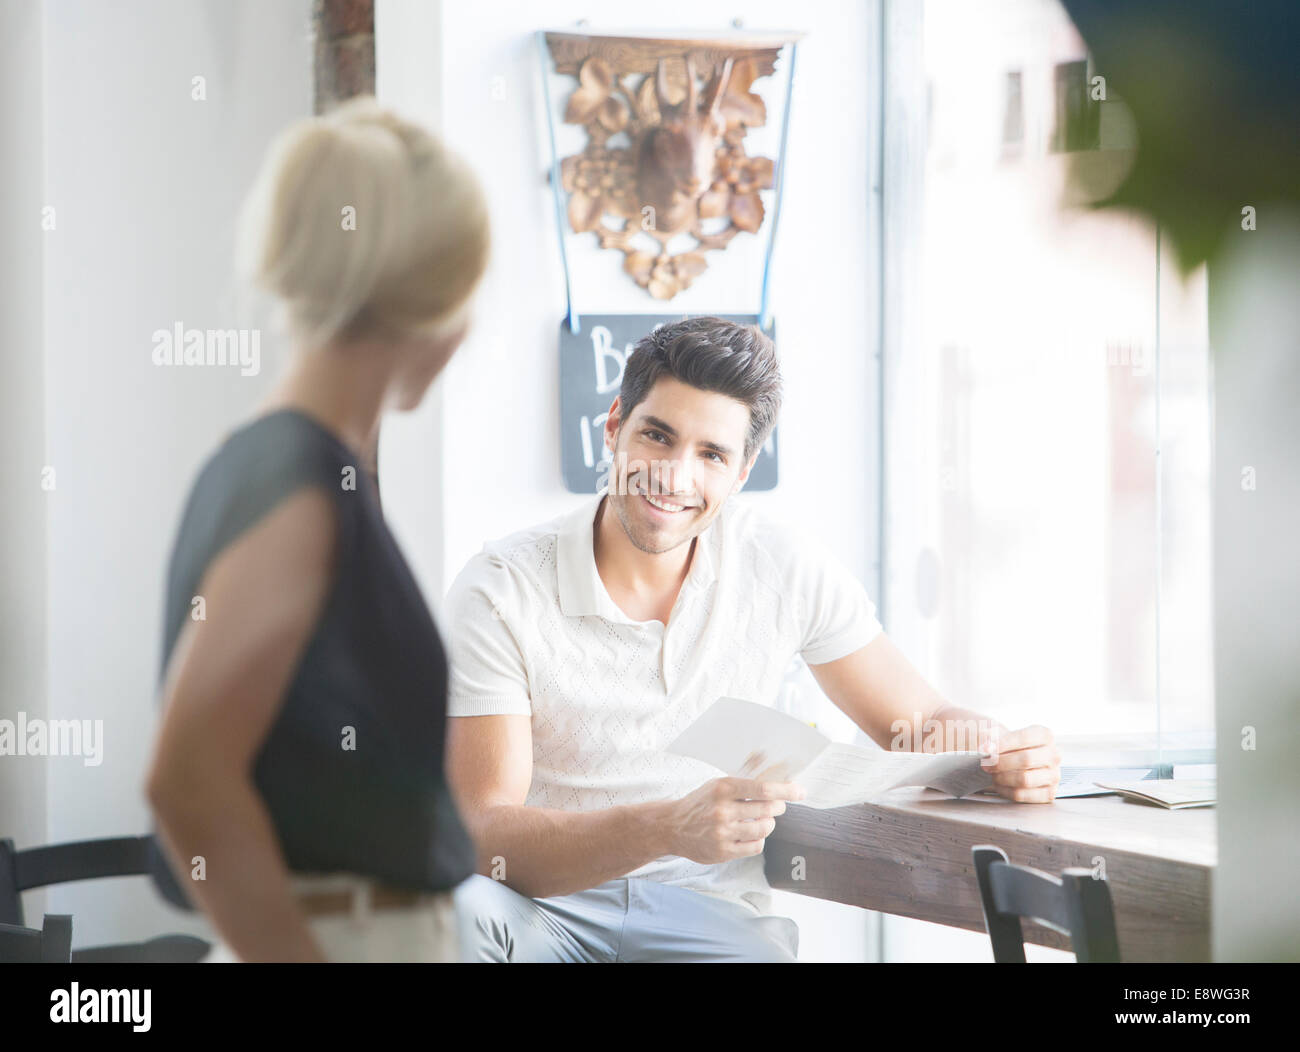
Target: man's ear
612, 420
744, 474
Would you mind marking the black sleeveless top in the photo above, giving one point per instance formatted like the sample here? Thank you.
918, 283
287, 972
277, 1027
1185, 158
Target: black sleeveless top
374, 663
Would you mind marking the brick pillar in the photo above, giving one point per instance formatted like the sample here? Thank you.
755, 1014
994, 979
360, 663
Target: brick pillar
344, 33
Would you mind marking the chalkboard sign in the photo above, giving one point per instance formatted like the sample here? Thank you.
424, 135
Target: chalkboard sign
591, 369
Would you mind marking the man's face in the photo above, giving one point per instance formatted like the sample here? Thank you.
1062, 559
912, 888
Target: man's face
684, 455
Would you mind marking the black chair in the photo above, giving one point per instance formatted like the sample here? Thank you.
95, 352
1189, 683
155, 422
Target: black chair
1075, 904
51, 944
39, 867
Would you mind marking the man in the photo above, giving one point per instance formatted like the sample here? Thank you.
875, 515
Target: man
582, 647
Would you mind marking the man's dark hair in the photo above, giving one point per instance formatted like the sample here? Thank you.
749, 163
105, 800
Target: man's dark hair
714, 355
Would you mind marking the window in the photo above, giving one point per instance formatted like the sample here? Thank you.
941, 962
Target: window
1048, 422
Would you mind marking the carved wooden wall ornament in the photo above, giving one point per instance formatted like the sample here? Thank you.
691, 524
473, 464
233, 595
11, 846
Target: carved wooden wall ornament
666, 121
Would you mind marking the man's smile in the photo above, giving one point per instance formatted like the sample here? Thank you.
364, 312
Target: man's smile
665, 506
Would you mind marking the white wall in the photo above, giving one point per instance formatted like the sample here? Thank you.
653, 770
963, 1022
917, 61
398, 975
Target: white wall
498, 402
146, 182
22, 370
502, 394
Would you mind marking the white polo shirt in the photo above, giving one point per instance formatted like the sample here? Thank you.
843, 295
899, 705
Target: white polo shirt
531, 630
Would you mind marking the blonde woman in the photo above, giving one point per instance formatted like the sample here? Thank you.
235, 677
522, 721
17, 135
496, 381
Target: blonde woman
297, 780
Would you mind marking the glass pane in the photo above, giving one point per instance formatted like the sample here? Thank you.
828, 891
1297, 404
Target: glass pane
1186, 581
1061, 575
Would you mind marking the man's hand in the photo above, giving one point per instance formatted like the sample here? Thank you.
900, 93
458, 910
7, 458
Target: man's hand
1025, 764
727, 818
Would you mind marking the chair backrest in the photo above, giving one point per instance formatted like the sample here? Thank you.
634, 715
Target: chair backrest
51, 944
37, 867
1076, 904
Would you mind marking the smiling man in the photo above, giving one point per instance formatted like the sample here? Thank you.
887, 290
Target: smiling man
582, 647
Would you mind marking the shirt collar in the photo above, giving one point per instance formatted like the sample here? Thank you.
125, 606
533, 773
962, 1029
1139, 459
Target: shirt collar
582, 592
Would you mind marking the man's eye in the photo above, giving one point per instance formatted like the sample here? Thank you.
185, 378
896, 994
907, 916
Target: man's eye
717, 457
655, 436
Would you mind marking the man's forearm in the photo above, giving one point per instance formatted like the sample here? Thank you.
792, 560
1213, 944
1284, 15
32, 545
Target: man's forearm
542, 852
953, 729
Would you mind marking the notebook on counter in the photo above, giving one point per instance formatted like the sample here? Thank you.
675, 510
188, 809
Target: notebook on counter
1173, 793
1082, 781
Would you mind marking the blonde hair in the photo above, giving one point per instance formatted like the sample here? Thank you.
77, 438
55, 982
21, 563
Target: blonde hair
419, 239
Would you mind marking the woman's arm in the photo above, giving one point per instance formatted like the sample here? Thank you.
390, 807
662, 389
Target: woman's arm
225, 683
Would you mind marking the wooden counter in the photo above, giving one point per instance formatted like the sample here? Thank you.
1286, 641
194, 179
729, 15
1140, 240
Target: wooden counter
911, 856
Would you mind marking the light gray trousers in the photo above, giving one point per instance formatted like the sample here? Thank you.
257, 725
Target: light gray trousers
624, 920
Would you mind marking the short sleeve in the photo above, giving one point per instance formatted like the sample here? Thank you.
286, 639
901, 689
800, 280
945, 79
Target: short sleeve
488, 676
837, 616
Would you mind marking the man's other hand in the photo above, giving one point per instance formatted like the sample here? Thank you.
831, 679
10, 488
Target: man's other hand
1025, 764
727, 818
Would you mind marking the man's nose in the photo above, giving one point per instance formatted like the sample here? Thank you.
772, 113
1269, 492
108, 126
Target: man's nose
675, 476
